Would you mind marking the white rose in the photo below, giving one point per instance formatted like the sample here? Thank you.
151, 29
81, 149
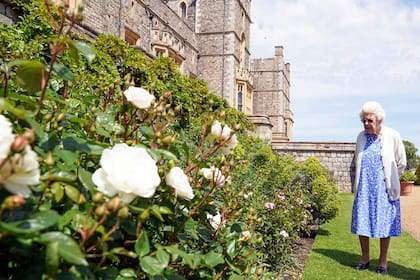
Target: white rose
231, 144
216, 129
26, 172
213, 173
140, 97
179, 181
284, 233
226, 132
219, 132
127, 171
6, 137
215, 221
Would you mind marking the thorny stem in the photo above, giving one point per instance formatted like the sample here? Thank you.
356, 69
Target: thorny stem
105, 237
54, 22
88, 232
199, 146
45, 83
57, 49
6, 83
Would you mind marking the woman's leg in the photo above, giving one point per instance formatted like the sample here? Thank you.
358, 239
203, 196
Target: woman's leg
384, 245
364, 245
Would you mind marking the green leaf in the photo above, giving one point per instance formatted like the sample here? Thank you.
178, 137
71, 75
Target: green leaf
191, 228
68, 249
37, 222
235, 277
75, 144
212, 259
84, 49
75, 119
232, 249
85, 178
108, 272
29, 75
70, 158
51, 259
142, 246
162, 257
155, 212
124, 251
58, 191
63, 72
151, 265
73, 52
49, 141
105, 125
67, 217
62, 176
165, 210
128, 272
158, 154
80, 144
147, 131
72, 193
177, 252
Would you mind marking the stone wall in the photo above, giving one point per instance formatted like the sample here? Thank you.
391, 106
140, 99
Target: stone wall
7, 14
335, 156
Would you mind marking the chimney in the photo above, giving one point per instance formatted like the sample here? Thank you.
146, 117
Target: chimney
278, 51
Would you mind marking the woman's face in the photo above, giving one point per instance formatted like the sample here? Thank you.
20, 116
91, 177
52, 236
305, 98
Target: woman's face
371, 124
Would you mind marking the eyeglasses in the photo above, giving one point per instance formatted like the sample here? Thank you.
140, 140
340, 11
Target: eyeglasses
367, 120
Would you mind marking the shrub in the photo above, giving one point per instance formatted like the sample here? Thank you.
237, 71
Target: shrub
417, 182
75, 204
271, 195
323, 192
408, 176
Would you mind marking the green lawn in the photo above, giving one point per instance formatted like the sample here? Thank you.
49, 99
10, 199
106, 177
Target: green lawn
336, 251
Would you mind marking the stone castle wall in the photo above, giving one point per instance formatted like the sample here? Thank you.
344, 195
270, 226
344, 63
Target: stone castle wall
271, 78
335, 156
220, 27
152, 21
211, 43
7, 14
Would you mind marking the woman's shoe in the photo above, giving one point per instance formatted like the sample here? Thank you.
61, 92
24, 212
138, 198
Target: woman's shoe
381, 270
362, 266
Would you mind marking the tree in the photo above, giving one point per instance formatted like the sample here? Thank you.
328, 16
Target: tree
411, 153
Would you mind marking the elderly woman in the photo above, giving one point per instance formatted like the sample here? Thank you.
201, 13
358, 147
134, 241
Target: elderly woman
379, 161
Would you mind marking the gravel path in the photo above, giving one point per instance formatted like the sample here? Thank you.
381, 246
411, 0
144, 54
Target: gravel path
410, 213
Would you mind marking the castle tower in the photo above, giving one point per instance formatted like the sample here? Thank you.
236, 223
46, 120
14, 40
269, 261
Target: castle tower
223, 29
271, 78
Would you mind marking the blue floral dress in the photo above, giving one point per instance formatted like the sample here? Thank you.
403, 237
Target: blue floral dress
374, 215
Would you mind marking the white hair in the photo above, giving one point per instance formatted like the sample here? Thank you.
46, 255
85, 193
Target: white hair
372, 107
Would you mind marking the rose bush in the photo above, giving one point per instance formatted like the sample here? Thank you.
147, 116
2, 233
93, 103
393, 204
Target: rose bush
109, 185
114, 166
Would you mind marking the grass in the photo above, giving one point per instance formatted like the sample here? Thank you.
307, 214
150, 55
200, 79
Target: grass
336, 251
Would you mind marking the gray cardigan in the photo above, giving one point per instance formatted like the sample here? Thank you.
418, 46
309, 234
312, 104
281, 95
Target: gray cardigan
393, 160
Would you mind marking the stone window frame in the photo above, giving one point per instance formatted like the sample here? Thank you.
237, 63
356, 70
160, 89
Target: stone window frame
131, 37
240, 97
183, 9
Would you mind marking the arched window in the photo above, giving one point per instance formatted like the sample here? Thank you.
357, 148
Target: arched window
240, 97
183, 9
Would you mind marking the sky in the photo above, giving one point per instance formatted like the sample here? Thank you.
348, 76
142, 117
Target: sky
343, 53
